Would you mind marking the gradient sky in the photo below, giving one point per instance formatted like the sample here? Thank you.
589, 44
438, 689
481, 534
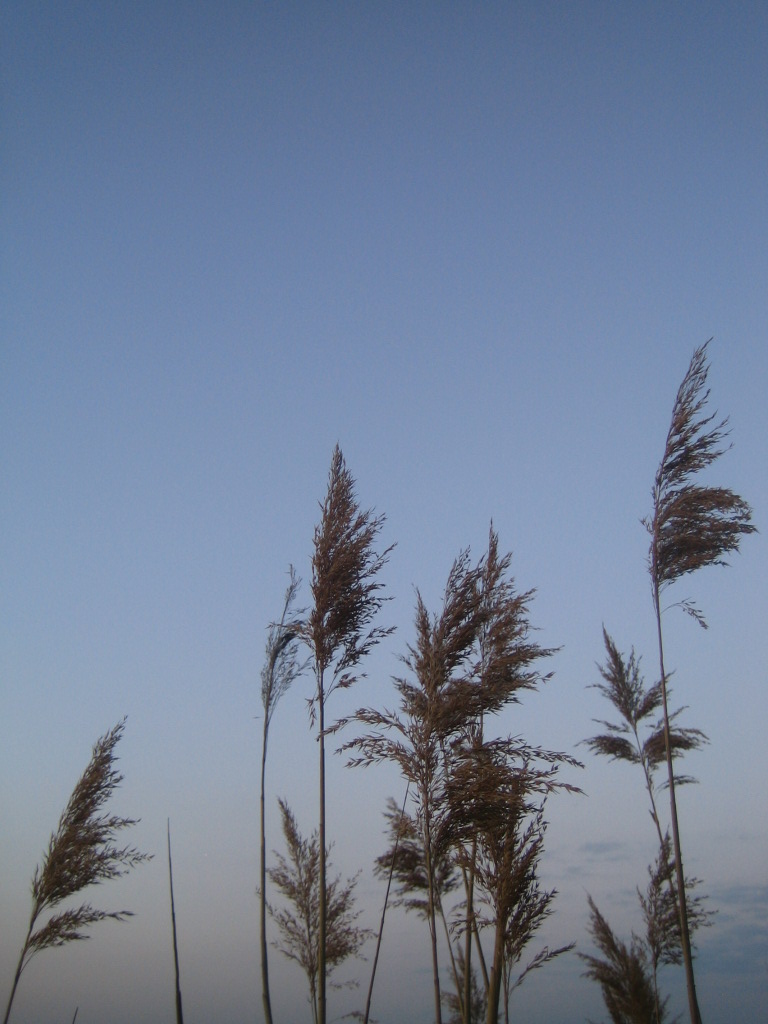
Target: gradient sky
475, 244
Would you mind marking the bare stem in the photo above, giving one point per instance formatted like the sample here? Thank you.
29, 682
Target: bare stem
384, 908
179, 1014
685, 939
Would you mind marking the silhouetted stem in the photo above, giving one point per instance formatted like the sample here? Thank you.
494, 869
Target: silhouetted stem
179, 1014
470, 891
432, 921
384, 908
321, 940
494, 989
454, 971
682, 902
17, 975
263, 885
22, 963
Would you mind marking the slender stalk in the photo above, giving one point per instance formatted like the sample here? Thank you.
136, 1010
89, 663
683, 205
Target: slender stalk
433, 933
469, 884
454, 970
497, 969
471, 921
656, 997
655, 815
692, 526
682, 902
322, 907
263, 883
481, 955
278, 674
384, 908
179, 1014
19, 968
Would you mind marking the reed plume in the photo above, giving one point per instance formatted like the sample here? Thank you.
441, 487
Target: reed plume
81, 853
691, 526
346, 597
297, 878
638, 738
472, 796
623, 975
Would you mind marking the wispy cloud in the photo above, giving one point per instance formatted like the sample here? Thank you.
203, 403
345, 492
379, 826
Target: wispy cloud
738, 942
606, 850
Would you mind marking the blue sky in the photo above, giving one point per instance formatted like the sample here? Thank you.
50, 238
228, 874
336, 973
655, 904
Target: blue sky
474, 244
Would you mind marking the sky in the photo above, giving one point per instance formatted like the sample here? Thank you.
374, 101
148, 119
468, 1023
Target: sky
474, 244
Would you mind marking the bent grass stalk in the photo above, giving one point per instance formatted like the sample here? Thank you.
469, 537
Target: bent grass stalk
691, 526
81, 852
179, 1014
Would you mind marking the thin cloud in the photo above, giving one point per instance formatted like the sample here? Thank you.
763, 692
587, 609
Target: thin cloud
738, 943
606, 850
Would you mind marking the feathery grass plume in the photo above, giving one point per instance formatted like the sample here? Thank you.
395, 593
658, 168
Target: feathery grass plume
493, 794
430, 712
691, 526
404, 860
637, 705
491, 782
625, 688
622, 973
659, 905
297, 878
179, 1013
659, 945
81, 852
468, 662
281, 669
507, 664
346, 597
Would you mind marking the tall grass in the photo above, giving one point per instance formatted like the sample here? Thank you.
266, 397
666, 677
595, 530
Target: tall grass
691, 526
339, 630
476, 798
281, 669
81, 853
179, 1012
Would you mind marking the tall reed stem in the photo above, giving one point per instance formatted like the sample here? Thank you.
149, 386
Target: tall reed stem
682, 902
384, 908
179, 1014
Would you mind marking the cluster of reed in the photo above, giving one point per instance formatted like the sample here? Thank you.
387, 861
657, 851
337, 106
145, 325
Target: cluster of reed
472, 819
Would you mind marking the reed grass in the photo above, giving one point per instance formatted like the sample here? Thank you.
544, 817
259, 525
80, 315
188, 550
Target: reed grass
339, 630
474, 798
81, 852
179, 1010
297, 878
691, 526
281, 669
623, 975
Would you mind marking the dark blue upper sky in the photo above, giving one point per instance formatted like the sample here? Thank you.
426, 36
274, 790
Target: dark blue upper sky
475, 244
